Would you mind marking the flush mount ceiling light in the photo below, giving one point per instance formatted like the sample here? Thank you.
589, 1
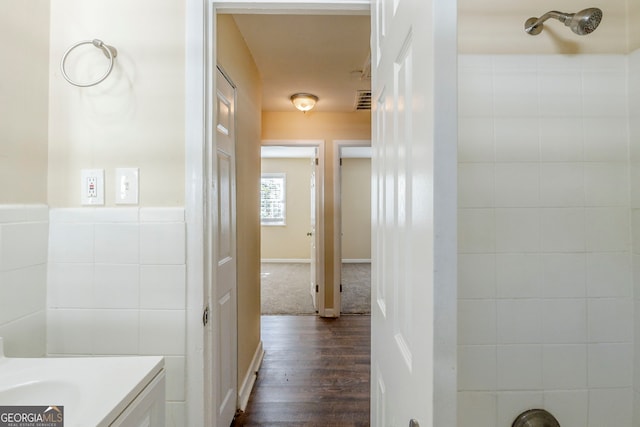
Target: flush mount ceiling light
304, 101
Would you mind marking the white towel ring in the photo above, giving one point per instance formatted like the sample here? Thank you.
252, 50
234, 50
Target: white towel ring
109, 51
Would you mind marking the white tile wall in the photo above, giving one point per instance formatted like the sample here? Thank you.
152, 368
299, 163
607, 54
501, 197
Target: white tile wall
23, 259
477, 409
564, 275
608, 229
519, 367
477, 276
563, 229
510, 404
116, 286
518, 275
545, 249
609, 274
564, 366
610, 365
610, 407
569, 407
477, 321
563, 320
519, 321
562, 184
517, 230
477, 369
555, 146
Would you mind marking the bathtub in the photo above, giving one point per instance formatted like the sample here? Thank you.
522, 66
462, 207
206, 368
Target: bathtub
95, 391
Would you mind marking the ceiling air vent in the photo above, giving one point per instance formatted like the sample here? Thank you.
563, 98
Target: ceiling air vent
363, 100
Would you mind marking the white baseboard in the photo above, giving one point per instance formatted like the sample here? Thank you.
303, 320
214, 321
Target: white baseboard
356, 261
244, 392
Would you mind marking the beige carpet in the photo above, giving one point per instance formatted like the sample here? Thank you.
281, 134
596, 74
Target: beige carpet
285, 288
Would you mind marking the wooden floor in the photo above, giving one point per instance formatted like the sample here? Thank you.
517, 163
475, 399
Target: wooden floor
315, 373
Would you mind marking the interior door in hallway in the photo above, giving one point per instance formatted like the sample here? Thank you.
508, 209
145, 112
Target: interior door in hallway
414, 214
223, 262
313, 290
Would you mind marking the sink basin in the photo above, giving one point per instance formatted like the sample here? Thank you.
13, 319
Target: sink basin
47, 392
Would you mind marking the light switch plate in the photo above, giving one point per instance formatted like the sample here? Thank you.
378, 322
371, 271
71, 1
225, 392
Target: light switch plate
92, 187
126, 186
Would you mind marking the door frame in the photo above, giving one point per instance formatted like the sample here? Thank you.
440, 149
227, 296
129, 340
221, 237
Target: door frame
200, 64
319, 145
337, 216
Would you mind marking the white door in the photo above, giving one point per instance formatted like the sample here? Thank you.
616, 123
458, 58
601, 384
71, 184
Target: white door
414, 213
313, 236
223, 256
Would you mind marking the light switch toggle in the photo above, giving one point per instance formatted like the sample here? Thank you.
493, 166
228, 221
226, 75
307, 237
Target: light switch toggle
126, 186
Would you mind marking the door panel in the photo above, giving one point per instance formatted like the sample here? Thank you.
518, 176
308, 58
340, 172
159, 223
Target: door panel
409, 202
313, 241
224, 236
226, 287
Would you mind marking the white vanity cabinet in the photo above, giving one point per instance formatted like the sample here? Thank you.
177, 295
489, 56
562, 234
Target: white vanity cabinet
117, 391
148, 408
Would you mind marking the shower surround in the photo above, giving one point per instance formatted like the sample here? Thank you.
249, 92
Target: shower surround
546, 298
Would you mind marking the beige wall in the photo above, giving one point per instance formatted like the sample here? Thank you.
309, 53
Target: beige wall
497, 26
328, 127
24, 94
632, 24
290, 241
356, 208
135, 118
236, 60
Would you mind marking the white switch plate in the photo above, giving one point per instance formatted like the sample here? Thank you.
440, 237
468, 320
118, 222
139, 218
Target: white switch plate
92, 186
126, 186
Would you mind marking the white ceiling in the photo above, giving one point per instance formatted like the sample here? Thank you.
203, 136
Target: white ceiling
319, 54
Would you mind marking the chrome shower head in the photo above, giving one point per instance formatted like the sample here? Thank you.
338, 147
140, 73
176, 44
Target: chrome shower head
585, 22
581, 23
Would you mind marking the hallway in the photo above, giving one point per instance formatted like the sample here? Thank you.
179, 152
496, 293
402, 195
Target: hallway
315, 373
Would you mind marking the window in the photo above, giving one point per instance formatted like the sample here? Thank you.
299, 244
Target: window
273, 190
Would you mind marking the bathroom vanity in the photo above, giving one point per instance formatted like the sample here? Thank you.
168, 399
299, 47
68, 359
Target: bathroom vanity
94, 391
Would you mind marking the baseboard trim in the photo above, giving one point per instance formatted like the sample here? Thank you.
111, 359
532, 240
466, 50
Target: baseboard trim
244, 392
329, 312
308, 261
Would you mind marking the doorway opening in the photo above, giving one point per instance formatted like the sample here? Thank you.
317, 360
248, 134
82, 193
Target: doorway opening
290, 206
335, 126
353, 226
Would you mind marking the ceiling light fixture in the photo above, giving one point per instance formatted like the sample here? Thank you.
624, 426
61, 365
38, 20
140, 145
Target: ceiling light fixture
304, 101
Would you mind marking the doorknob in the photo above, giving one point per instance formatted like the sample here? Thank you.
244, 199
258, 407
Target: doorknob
414, 423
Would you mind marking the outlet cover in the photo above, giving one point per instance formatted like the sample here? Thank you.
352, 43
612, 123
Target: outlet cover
126, 186
92, 187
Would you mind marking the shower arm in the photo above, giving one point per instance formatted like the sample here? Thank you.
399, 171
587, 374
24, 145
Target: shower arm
533, 24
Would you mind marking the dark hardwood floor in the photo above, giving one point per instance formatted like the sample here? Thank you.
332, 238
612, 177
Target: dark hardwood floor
315, 373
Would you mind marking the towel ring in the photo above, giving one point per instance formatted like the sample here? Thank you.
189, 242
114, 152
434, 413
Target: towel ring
109, 51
